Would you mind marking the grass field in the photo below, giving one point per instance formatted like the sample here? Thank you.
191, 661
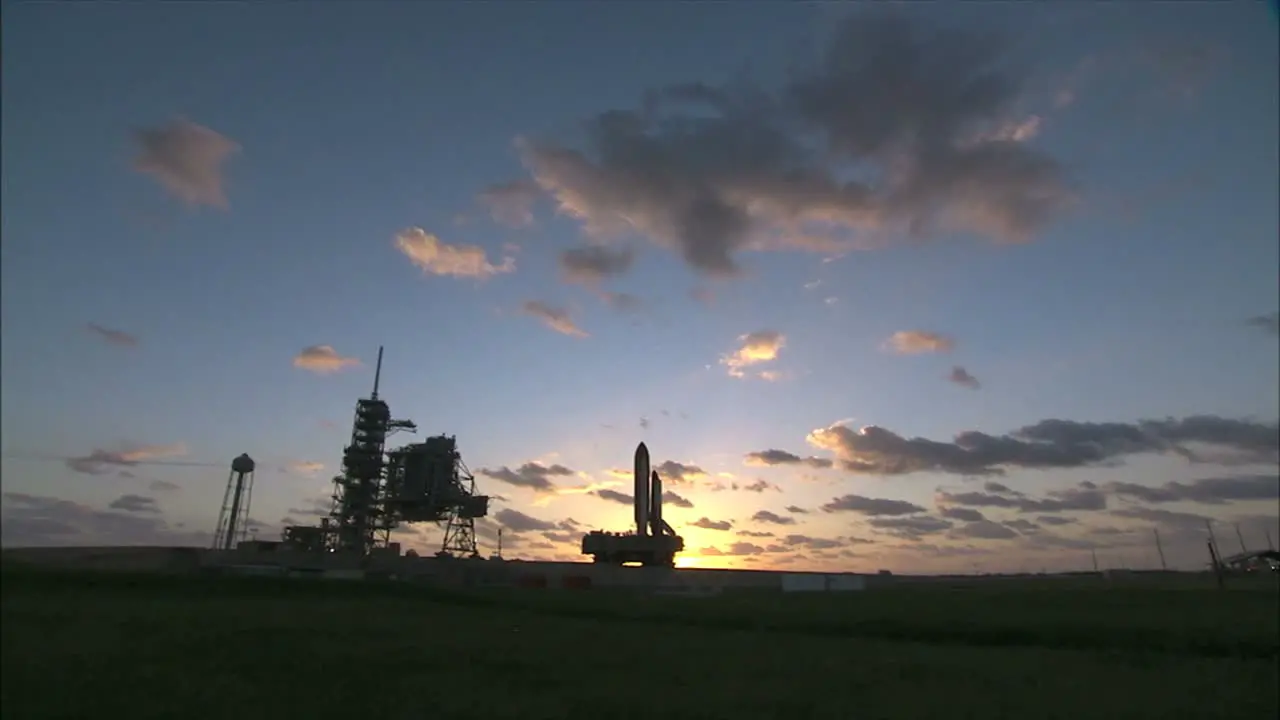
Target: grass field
156, 647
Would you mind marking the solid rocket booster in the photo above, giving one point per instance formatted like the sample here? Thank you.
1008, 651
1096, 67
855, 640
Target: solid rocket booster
642, 489
655, 504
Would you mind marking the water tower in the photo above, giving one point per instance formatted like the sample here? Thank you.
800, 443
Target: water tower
233, 520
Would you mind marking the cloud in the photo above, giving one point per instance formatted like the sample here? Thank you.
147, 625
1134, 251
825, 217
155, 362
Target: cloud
811, 543
322, 360
782, 457
1166, 518
614, 496
738, 548
555, 318
436, 257
531, 475
1055, 520
755, 533
754, 348
1072, 499
134, 504
306, 467
678, 473
914, 342
772, 518
594, 263
34, 520
709, 172
910, 528
315, 507
983, 529
163, 486
961, 377
1269, 324
709, 524
670, 498
517, 522
113, 337
870, 506
511, 203
1045, 445
186, 159
960, 513
100, 461
797, 510
759, 486
1207, 491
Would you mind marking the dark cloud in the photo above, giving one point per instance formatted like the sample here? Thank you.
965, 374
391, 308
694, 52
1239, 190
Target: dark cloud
738, 548
759, 486
1269, 324
1072, 499
531, 475
764, 516
709, 524
670, 498
983, 529
1207, 491
186, 159
34, 520
594, 263
709, 172
134, 504
811, 543
961, 377
1022, 526
910, 528
755, 533
518, 522
797, 510
995, 487
163, 486
1055, 520
614, 496
1158, 516
871, 506
101, 462
782, 457
1047, 444
113, 337
676, 472
961, 513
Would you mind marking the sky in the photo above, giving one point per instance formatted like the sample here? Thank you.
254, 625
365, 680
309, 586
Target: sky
987, 288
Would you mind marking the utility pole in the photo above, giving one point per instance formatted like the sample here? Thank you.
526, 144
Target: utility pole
1269, 545
1213, 541
1160, 549
1217, 567
1094, 553
1240, 537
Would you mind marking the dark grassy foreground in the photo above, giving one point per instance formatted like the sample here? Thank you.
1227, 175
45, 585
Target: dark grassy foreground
143, 647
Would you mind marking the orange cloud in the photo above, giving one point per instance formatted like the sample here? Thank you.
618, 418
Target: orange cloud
322, 359
440, 258
914, 342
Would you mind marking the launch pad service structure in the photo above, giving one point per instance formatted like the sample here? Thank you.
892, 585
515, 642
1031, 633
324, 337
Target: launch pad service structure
653, 543
380, 490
